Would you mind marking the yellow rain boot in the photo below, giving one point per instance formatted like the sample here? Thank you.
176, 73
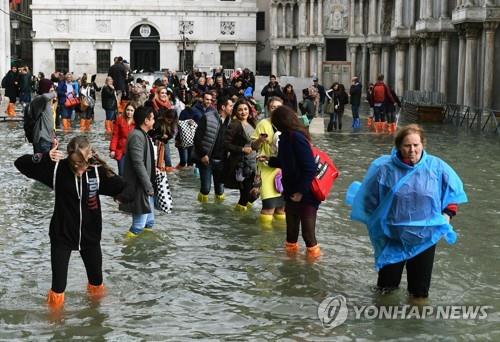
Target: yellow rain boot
280, 217
291, 248
55, 300
313, 252
249, 206
266, 220
96, 292
130, 235
240, 208
219, 198
202, 198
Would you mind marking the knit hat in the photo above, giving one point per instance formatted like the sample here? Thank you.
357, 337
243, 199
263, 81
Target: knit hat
44, 86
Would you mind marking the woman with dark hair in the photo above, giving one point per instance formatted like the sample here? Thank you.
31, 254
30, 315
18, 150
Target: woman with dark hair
338, 95
164, 130
239, 170
123, 125
289, 97
76, 222
296, 160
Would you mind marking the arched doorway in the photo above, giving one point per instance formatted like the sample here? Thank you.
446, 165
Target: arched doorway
145, 48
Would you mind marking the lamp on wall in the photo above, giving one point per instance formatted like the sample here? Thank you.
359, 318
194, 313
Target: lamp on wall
14, 23
33, 34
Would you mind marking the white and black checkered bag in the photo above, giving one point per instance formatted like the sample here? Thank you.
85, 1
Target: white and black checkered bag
163, 196
187, 128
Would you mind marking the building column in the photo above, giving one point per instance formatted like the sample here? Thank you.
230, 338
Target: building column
274, 21
398, 12
422, 64
320, 18
311, 17
374, 62
461, 64
320, 64
386, 49
274, 60
428, 9
364, 61
413, 18
352, 5
444, 65
302, 18
303, 60
381, 17
361, 17
353, 49
412, 65
400, 68
471, 34
430, 62
290, 21
372, 17
489, 65
444, 10
283, 28
288, 60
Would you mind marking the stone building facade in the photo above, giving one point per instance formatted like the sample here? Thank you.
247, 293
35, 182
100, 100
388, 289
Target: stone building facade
443, 46
85, 35
4, 37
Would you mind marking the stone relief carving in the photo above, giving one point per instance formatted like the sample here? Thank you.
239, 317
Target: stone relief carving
62, 25
186, 27
227, 28
337, 16
103, 26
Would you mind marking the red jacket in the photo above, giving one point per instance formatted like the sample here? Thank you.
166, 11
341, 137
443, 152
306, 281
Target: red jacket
119, 139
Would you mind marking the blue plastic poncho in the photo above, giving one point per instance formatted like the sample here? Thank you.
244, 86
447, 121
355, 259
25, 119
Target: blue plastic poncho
402, 205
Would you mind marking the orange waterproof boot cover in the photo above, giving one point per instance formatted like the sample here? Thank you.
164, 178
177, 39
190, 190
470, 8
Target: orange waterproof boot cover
96, 292
55, 300
313, 252
291, 247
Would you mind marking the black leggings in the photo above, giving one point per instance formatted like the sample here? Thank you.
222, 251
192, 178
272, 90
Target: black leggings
418, 273
59, 257
298, 214
245, 188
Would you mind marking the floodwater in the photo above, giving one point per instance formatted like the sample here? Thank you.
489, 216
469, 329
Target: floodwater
207, 272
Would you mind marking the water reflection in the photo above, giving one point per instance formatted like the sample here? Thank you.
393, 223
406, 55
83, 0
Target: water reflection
207, 272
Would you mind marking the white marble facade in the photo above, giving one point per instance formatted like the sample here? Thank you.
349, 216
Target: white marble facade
85, 26
4, 37
445, 46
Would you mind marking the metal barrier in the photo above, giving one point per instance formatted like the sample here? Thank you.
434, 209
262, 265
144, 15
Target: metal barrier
418, 97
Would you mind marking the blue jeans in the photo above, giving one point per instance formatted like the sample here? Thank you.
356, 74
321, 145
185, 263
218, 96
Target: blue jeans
42, 146
66, 113
215, 169
141, 221
355, 111
110, 114
121, 165
379, 113
185, 155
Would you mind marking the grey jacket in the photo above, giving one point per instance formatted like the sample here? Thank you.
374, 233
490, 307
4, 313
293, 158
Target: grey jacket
44, 127
137, 172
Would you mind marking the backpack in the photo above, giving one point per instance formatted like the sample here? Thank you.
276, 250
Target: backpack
31, 118
379, 93
326, 174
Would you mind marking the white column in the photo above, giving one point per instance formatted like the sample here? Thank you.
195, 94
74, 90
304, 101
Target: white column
381, 17
4, 43
372, 17
320, 18
283, 33
461, 65
413, 15
288, 60
430, 60
471, 34
274, 61
489, 66
428, 9
311, 17
374, 62
400, 69
320, 64
412, 71
290, 22
302, 18
385, 61
352, 4
444, 65
303, 61
313, 59
274, 21
422, 64
364, 62
361, 17
353, 49
398, 11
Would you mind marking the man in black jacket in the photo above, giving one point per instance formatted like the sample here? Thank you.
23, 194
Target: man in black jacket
209, 148
271, 89
118, 73
355, 93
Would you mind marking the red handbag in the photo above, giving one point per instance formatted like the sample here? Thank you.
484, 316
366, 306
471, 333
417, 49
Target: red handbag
71, 101
326, 174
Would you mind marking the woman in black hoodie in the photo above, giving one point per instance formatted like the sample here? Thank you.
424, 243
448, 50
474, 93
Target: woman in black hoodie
76, 222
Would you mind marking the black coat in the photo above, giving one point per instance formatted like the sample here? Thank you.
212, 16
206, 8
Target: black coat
108, 98
9, 84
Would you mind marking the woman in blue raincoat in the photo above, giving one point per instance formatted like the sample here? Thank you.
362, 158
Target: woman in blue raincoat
406, 201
